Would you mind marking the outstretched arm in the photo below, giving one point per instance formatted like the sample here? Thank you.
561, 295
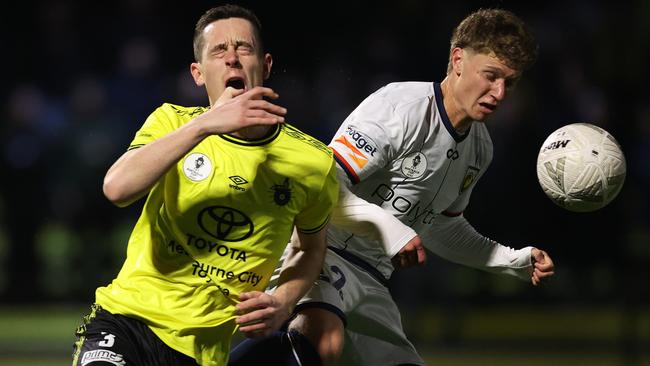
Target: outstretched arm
265, 313
454, 239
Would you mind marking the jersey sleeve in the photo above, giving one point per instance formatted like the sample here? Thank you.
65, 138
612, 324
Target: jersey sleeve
316, 214
158, 124
454, 239
362, 144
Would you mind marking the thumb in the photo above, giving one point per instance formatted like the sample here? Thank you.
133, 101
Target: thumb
228, 94
538, 255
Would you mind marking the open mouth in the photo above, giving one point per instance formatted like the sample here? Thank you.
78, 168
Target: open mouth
491, 107
237, 83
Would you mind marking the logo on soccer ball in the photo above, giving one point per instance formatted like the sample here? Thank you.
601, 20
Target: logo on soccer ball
414, 165
197, 167
225, 223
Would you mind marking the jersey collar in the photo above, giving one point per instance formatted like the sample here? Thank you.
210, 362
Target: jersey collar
273, 133
445, 118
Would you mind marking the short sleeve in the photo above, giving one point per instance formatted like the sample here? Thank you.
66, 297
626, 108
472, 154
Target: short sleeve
158, 124
362, 144
316, 214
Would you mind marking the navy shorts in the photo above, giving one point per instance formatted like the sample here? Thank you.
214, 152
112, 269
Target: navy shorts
113, 339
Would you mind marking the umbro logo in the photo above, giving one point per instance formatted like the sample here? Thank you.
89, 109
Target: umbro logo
238, 182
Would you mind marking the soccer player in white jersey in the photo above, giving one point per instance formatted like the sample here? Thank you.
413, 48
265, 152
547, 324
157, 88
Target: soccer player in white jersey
226, 185
415, 149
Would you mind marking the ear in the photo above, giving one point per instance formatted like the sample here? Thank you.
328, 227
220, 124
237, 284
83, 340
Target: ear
197, 74
457, 57
268, 63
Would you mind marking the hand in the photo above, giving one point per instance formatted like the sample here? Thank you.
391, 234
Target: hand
236, 109
411, 254
263, 314
542, 266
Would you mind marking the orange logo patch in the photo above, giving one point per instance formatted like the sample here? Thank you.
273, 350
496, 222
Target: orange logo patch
355, 154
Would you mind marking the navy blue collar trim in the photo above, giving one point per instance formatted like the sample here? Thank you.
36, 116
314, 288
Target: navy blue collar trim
445, 118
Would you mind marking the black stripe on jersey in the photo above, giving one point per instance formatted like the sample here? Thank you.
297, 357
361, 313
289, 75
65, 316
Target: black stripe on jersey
316, 229
133, 147
445, 118
274, 133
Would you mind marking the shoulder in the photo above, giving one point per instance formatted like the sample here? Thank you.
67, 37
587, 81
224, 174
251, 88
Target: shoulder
406, 92
181, 112
302, 141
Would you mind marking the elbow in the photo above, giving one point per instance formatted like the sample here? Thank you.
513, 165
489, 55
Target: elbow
115, 192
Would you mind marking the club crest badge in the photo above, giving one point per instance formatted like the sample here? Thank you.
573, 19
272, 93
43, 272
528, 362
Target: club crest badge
197, 167
414, 165
281, 193
470, 178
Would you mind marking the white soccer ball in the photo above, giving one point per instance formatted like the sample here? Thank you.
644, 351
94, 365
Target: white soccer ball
581, 167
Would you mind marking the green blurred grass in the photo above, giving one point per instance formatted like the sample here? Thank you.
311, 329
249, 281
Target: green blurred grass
43, 336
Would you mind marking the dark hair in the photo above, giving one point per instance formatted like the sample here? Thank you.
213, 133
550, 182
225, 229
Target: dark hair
499, 31
224, 12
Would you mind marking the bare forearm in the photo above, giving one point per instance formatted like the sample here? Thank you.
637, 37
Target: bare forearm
301, 268
138, 170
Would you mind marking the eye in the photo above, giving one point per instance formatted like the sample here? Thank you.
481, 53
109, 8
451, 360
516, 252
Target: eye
245, 49
511, 83
490, 75
218, 51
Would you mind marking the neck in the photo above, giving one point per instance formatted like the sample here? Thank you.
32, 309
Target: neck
458, 118
253, 132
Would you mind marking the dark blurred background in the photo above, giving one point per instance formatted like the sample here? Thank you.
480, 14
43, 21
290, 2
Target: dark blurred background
81, 77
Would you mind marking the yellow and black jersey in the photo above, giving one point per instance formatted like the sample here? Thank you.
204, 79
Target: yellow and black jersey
215, 226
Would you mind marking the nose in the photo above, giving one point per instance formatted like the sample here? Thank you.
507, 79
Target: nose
232, 58
499, 89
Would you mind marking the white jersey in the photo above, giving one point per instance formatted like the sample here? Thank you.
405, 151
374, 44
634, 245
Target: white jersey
400, 151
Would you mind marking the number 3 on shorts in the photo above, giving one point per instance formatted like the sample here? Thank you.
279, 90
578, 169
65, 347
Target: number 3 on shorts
109, 340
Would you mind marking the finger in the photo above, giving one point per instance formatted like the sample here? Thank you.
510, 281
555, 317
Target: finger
251, 301
267, 106
230, 93
244, 296
254, 330
259, 113
536, 279
544, 267
422, 255
253, 317
544, 274
263, 120
538, 257
261, 91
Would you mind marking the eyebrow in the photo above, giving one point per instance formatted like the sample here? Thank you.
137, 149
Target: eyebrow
224, 45
500, 73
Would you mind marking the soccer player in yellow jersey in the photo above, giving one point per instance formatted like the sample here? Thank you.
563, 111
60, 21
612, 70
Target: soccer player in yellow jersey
225, 187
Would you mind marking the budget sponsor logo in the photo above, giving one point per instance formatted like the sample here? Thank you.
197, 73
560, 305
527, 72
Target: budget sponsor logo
359, 146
